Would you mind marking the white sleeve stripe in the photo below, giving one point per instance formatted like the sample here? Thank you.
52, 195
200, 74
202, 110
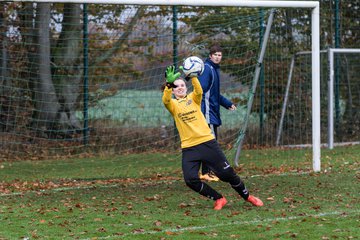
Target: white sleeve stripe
207, 97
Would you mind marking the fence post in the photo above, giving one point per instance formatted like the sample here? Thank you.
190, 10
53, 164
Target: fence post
262, 81
337, 66
86, 75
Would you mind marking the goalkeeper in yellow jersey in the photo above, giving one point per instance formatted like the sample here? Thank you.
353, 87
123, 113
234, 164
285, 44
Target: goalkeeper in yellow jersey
197, 142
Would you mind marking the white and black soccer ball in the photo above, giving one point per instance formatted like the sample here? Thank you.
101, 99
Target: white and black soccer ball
193, 66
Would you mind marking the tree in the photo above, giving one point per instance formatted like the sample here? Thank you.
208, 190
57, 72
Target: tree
54, 59
44, 95
67, 67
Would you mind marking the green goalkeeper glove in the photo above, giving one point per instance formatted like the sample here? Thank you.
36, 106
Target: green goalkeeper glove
171, 75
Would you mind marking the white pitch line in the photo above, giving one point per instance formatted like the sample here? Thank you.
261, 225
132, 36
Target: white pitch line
174, 230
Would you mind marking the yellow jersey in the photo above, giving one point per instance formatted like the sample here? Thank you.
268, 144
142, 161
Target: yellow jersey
190, 121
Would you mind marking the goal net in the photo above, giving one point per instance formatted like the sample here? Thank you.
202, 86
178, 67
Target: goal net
343, 96
83, 78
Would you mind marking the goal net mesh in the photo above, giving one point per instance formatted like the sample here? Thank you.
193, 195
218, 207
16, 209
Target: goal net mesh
85, 79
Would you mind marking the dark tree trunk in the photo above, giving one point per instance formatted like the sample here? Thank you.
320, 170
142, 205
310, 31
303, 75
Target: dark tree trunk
45, 99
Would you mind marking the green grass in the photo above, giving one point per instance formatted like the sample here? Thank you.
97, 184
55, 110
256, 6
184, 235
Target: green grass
143, 196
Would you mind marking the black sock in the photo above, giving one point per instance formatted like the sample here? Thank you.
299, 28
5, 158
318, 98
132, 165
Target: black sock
209, 192
241, 189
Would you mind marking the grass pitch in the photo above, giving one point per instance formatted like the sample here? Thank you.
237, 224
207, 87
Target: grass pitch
144, 197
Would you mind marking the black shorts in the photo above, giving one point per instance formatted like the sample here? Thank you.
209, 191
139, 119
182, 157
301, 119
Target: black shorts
208, 153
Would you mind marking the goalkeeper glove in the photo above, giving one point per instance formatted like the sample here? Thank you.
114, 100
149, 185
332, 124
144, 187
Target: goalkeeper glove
171, 76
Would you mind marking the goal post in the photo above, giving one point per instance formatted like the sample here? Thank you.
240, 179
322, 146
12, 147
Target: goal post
314, 6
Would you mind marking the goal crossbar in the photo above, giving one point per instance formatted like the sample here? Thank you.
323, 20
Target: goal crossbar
236, 3
315, 40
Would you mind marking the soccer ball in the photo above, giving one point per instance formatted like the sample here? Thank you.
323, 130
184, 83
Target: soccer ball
193, 66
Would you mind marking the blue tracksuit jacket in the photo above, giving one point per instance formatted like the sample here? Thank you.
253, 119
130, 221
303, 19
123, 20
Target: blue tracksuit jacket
212, 99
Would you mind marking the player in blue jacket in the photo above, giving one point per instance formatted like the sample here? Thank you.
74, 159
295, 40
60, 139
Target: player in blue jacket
212, 99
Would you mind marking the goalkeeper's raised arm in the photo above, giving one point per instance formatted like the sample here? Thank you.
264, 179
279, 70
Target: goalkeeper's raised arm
197, 90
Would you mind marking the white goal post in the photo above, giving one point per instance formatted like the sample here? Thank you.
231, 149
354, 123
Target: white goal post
315, 41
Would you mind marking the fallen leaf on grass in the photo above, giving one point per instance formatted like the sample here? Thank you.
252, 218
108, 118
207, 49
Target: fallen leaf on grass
184, 205
157, 223
288, 200
155, 197
140, 230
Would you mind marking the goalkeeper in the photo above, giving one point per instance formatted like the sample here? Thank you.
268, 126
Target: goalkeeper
197, 142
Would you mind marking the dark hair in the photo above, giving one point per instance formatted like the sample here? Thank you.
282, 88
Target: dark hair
215, 48
162, 88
